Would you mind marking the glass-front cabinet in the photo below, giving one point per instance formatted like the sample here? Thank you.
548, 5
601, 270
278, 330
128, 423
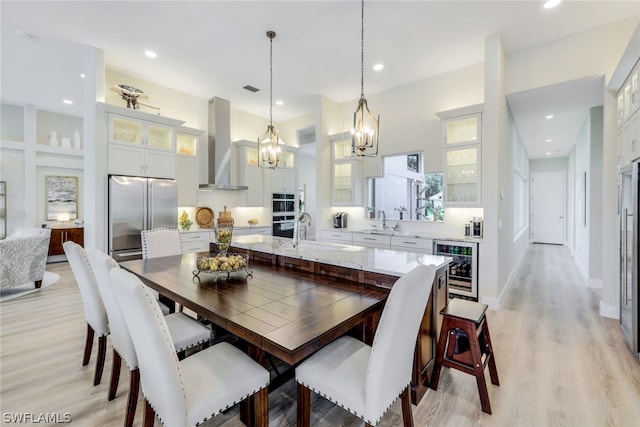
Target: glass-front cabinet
461, 150
346, 173
462, 175
126, 130
462, 130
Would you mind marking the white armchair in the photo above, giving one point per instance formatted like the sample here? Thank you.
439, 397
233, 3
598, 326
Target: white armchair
23, 257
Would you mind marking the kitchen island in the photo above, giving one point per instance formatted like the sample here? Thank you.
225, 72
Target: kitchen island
361, 268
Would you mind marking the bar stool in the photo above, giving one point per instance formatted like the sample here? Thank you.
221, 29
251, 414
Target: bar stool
464, 342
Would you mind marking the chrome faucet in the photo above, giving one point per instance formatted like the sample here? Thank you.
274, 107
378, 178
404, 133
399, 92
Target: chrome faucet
382, 214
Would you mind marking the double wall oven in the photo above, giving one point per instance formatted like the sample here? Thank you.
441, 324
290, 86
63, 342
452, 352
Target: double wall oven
284, 207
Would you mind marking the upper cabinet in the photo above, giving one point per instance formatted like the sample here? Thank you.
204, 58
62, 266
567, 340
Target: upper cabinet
462, 151
629, 118
249, 173
187, 165
462, 130
141, 144
629, 95
346, 173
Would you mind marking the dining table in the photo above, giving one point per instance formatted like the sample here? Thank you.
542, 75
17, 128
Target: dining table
287, 314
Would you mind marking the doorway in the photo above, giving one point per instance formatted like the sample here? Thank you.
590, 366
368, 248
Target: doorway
548, 207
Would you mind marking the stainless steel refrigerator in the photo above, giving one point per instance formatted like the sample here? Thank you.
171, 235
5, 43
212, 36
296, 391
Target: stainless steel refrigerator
137, 204
629, 212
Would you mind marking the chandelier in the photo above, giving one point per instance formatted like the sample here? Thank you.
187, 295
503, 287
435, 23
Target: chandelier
366, 124
270, 145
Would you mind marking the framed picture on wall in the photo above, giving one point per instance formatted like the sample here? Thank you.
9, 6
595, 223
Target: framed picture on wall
581, 198
412, 163
62, 197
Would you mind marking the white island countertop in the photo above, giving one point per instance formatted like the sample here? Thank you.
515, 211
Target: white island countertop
384, 261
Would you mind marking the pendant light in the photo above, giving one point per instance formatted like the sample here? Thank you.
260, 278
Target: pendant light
270, 145
366, 124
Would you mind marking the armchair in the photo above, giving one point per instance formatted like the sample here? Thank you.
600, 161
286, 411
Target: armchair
23, 257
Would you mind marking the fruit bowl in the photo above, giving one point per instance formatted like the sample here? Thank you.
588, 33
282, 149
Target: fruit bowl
220, 264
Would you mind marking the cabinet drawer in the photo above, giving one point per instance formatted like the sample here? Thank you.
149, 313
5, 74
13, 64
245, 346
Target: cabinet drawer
372, 240
197, 246
197, 236
412, 244
343, 237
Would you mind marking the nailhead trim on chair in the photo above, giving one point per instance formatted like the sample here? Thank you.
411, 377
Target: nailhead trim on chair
373, 423
156, 310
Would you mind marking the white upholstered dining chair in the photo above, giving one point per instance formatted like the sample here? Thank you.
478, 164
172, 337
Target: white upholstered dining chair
187, 392
367, 380
94, 311
161, 242
185, 332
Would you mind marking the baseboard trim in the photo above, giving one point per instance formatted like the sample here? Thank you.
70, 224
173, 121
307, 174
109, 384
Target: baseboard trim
608, 310
582, 271
496, 303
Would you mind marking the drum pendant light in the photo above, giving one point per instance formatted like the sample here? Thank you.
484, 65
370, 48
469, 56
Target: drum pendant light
366, 124
270, 145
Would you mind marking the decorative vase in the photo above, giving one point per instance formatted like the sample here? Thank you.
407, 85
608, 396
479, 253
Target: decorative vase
53, 138
76, 139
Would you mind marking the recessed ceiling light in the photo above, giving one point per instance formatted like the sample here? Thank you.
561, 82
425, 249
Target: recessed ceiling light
279, 102
548, 153
150, 54
378, 67
549, 116
82, 75
67, 101
550, 4
548, 140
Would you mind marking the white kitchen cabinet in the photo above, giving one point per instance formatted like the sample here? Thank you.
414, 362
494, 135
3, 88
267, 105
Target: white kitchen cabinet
249, 173
461, 152
141, 147
195, 241
629, 95
412, 244
188, 165
380, 241
187, 177
346, 173
342, 237
246, 231
630, 139
138, 161
283, 181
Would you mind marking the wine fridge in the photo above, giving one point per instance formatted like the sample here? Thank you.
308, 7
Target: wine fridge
629, 202
463, 270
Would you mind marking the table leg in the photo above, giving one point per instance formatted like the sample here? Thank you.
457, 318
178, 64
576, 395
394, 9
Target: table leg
247, 413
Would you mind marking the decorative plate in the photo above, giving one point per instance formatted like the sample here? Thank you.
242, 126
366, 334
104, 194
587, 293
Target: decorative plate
204, 217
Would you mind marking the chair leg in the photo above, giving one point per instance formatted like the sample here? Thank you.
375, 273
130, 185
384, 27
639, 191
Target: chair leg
304, 406
38, 284
493, 370
88, 345
261, 407
115, 375
134, 387
478, 367
102, 352
407, 410
149, 414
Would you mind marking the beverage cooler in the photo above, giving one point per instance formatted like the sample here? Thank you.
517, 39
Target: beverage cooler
463, 270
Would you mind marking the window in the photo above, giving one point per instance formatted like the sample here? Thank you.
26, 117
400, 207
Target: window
520, 199
405, 191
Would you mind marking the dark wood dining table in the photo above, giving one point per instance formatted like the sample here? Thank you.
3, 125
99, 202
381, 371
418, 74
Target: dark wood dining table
287, 314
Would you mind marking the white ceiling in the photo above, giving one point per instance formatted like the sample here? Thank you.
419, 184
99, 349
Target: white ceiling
214, 48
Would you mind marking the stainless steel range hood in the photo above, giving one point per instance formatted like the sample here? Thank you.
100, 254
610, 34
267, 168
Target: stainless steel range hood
220, 147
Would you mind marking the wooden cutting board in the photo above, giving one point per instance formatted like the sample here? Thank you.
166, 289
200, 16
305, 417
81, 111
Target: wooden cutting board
204, 217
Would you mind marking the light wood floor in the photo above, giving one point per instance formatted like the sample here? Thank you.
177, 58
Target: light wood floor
560, 363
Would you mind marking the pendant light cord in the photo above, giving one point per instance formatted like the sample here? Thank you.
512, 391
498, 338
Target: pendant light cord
362, 49
271, 79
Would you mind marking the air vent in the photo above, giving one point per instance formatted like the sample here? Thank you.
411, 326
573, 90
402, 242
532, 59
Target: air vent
251, 88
